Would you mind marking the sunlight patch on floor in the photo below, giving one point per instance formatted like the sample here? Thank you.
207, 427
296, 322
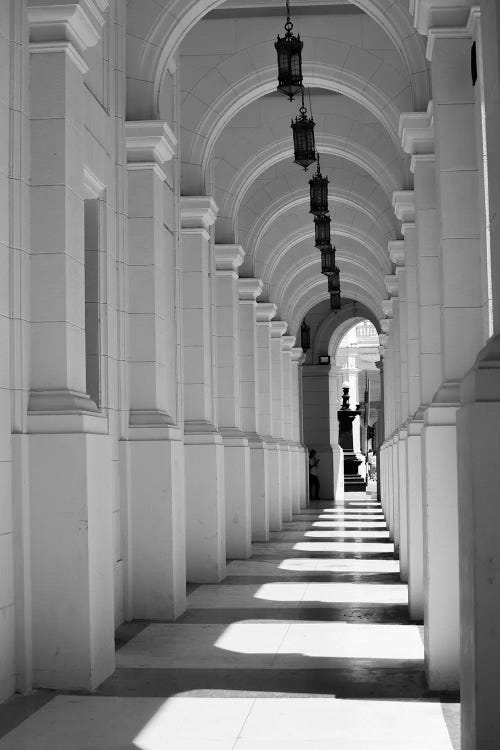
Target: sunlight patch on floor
335, 593
347, 534
350, 547
312, 565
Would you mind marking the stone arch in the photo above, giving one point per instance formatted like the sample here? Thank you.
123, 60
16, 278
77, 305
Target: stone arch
161, 30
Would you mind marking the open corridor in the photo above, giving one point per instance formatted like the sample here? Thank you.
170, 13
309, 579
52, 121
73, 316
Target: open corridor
305, 646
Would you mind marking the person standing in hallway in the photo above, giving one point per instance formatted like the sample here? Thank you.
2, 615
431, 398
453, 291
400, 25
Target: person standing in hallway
313, 475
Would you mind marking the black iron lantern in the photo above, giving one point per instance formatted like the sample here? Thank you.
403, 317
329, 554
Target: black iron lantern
319, 193
335, 303
334, 280
328, 266
305, 336
304, 145
289, 50
322, 231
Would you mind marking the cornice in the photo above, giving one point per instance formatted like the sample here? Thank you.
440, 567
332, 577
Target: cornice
287, 343
79, 22
416, 130
198, 211
278, 328
149, 141
266, 311
387, 308
298, 355
403, 202
434, 13
249, 289
228, 257
392, 285
397, 252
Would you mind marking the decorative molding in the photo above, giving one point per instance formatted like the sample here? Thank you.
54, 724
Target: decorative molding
438, 13
403, 202
278, 328
287, 343
69, 49
416, 130
443, 32
298, 355
92, 185
149, 142
407, 226
392, 285
387, 308
228, 257
397, 252
385, 324
198, 211
421, 159
382, 337
266, 311
78, 22
249, 289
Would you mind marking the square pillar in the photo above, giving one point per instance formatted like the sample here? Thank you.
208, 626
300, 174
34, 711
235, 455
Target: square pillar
204, 449
287, 344
299, 485
157, 553
263, 453
69, 445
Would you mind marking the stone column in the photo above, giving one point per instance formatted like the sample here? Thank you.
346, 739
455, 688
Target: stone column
461, 335
70, 449
287, 473
478, 434
278, 329
262, 456
228, 258
249, 290
157, 554
204, 450
299, 486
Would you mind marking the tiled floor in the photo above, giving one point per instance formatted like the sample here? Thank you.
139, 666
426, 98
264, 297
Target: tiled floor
306, 646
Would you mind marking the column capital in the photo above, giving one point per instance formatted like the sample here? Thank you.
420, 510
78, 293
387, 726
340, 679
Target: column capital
439, 13
385, 325
406, 227
149, 142
397, 252
392, 286
198, 211
298, 355
403, 202
387, 309
416, 130
228, 257
458, 25
287, 343
249, 289
266, 311
53, 22
278, 328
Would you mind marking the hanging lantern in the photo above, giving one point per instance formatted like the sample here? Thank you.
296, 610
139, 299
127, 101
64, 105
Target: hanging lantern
305, 336
303, 138
328, 266
289, 50
319, 193
334, 281
335, 303
322, 231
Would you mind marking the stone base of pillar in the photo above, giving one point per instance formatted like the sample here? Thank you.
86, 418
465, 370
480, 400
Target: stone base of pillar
415, 520
157, 552
285, 481
205, 505
403, 505
237, 494
275, 499
338, 473
441, 561
478, 433
71, 490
